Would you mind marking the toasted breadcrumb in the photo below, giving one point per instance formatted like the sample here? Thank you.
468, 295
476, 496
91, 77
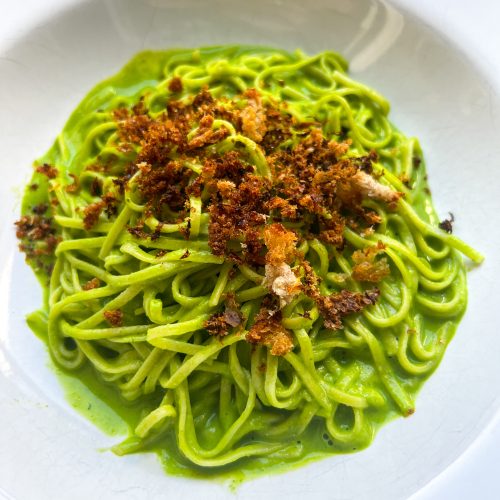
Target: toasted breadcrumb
114, 317
38, 237
335, 306
218, 324
91, 284
340, 148
253, 117
279, 277
268, 330
313, 180
206, 135
91, 214
280, 243
74, 186
40, 209
47, 170
368, 269
175, 85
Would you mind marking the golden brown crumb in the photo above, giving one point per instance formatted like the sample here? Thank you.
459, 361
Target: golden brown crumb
253, 117
91, 284
91, 214
218, 324
335, 306
312, 179
114, 317
73, 188
285, 208
47, 170
40, 209
38, 235
279, 277
268, 330
278, 128
95, 187
164, 186
206, 135
175, 85
333, 230
340, 148
280, 243
235, 214
368, 269
405, 179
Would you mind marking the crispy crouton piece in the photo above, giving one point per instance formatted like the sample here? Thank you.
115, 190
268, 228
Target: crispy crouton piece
370, 188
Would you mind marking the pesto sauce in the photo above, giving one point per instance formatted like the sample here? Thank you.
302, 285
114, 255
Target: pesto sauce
102, 404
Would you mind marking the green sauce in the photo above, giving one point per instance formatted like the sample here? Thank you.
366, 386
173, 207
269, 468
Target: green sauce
101, 402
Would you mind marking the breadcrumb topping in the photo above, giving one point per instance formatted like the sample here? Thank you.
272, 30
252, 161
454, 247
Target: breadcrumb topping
280, 243
219, 324
268, 330
253, 117
314, 186
114, 317
335, 306
279, 277
366, 268
48, 170
91, 284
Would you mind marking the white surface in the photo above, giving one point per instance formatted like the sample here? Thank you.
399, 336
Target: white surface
48, 62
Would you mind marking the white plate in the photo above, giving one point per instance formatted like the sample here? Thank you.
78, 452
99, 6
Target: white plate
46, 449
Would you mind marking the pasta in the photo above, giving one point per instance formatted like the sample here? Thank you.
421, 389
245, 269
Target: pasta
166, 314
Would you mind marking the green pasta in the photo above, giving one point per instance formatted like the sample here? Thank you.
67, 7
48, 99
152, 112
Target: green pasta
216, 402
